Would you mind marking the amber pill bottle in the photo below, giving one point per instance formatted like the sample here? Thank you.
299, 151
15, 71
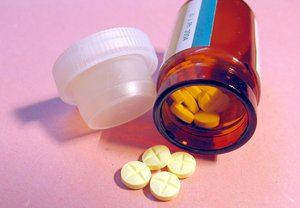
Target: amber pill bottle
213, 44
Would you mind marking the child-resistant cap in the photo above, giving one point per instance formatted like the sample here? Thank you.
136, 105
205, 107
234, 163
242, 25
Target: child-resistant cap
108, 76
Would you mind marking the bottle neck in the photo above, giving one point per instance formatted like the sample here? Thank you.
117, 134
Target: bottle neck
217, 70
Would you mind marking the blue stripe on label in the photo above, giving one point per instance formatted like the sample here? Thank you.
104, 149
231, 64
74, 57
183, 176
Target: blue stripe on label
204, 29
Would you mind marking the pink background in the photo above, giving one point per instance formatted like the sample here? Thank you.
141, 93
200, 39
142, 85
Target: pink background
49, 158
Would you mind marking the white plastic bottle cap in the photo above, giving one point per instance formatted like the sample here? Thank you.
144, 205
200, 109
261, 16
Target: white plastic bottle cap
108, 76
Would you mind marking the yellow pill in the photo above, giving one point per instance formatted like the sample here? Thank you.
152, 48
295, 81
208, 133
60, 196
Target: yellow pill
177, 96
164, 186
156, 157
135, 175
190, 102
195, 91
207, 88
182, 164
182, 113
207, 120
213, 101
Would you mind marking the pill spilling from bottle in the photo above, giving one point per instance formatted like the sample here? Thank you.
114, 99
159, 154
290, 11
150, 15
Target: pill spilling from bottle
164, 185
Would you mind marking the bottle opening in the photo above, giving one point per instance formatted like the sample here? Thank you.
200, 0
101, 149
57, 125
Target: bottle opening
203, 118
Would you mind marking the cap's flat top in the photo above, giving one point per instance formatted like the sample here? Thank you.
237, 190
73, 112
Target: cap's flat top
50, 159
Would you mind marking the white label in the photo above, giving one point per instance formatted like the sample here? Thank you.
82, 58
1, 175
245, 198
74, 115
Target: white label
189, 26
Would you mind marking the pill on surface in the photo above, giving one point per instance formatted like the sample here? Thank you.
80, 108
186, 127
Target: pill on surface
156, 157
207, 120
164, 186
182, 113
190, 102
195, 91
135, 175
213, 101
177, 96
182, 164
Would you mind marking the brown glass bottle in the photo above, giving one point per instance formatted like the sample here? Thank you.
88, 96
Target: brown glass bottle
228, 62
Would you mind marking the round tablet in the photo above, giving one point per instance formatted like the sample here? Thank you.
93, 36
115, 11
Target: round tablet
182, 164
195, 91
207, 120
177, 96
135, 175
190, 102
164, 186
157, 157
213, 101
182, 113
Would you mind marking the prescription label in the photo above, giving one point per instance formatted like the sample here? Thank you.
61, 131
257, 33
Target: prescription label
194, 26
198, 24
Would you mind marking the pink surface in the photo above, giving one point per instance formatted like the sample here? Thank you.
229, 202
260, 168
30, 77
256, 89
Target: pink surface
48, 157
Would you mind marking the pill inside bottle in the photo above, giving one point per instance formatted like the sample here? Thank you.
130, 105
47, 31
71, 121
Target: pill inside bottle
218, 112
